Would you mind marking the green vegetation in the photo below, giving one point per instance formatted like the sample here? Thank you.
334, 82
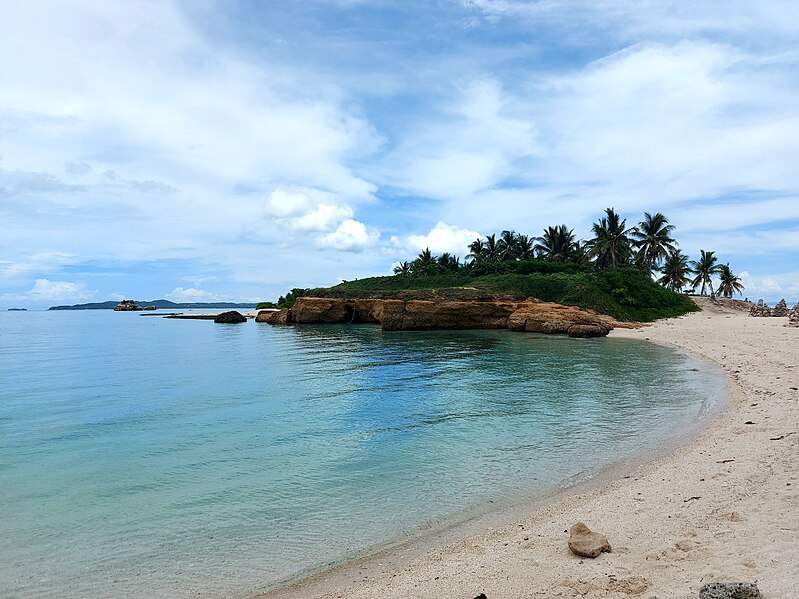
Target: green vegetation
612, 272
624, 293
288, 300
265, 305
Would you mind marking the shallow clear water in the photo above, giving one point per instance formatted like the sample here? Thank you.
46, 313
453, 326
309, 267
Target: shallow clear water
144, 457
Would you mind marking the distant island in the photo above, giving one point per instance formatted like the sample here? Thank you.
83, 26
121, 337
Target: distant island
17, 309
160, 304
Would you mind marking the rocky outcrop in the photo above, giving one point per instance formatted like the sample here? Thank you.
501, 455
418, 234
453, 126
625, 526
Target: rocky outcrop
127, 306
760, 309
585, 543
393, 315
780, 308
231, 317
730, 590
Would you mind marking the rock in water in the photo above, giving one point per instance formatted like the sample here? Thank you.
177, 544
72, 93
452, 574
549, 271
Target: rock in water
730, 590
585, 543
127, 306
588, 330
231, 317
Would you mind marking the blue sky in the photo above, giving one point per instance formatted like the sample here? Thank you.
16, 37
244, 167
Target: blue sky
233, 150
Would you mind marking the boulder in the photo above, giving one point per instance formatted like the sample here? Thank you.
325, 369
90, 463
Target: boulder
231, 317
780, 309
585, 543
730, 590
587, 330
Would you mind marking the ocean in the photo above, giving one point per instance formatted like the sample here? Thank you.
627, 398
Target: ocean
147, 457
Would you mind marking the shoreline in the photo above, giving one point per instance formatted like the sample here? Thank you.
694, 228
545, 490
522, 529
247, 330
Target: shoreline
405, 567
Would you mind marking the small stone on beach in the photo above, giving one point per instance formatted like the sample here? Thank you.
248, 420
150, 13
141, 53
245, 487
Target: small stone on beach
585, 543
730, 590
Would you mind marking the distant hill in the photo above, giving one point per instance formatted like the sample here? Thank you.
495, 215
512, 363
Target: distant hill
161, 304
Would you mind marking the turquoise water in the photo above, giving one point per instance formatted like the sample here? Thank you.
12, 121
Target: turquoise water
145, 457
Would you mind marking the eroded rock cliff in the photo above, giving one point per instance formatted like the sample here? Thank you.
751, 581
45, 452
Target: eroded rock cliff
392, 315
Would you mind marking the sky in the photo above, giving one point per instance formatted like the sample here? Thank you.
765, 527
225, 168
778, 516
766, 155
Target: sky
232, 150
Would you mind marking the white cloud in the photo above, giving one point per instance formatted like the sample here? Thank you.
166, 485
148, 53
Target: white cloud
307, 210
471, 146
771, 287
179, 294
350, 236
441, 238
59, 290
44, 290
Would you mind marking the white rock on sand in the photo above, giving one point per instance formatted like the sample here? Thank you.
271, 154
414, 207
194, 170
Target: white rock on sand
722, 508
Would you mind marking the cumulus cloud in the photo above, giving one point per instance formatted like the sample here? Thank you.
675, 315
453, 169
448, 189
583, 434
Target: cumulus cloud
44, 290
306, 210
771, 287
350, 236
441, 238
179, 294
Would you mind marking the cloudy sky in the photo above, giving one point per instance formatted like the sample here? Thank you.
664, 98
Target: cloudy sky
207, 150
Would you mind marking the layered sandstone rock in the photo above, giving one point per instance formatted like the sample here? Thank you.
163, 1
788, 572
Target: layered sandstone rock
392, 315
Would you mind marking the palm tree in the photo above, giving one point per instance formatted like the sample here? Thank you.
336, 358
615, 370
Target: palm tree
525, 247
729, 284
675, 271
425, 263
477, 249
449, 262
652, 237
611, 245
507, 245
492, 248
557, 244
704, 269
402, 269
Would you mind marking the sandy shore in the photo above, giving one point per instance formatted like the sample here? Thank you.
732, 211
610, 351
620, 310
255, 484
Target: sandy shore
723, 507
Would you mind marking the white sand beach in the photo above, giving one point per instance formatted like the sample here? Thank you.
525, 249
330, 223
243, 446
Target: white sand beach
723, 507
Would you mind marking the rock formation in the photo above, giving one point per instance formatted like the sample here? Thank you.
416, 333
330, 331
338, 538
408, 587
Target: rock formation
127, 306
780, 309
585, 543
730, 590
760, 309
393, 315
231, 317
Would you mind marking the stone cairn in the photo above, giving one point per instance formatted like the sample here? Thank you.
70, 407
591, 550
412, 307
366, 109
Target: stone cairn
780, 309
793, 317
760, 309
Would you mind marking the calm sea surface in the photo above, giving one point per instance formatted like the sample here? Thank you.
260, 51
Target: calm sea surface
144, 457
